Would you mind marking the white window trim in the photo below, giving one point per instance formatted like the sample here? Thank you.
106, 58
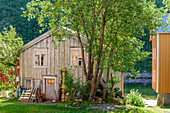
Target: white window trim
40, 50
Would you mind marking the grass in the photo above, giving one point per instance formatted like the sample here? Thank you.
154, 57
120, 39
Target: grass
11, 106
146, 90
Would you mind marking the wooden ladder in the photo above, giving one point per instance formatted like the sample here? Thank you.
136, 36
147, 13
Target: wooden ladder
25, 96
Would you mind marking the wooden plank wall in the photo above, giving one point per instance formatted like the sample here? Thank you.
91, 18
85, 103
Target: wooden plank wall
164, 63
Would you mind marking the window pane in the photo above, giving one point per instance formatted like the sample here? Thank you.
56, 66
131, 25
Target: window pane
43, 58
80, 62
28, 83
74, 57
80, 55
37, 58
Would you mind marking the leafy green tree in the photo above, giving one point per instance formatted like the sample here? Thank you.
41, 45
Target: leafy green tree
10, 47
108, 25
10, 11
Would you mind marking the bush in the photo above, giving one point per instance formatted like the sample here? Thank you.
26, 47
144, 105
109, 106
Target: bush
75, 88
135, 98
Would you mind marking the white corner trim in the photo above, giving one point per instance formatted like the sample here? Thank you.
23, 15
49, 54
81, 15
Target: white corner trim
157, 62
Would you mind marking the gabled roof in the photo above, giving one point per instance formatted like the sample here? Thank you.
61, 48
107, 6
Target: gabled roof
43, 36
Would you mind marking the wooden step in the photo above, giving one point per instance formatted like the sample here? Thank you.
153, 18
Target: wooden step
27, 94
24, 97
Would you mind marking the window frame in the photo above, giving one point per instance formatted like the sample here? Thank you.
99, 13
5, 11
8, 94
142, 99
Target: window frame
154, 53
40, 50
71, 56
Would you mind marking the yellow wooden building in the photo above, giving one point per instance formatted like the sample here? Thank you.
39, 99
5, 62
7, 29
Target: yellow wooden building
161, 60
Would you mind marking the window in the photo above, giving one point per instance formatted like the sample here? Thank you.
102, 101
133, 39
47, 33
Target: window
76, 57
154, 53
80, 61
50, 81
28, 83
40, 57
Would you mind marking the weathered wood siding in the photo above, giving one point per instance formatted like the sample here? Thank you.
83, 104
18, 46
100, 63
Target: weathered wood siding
57, 58
164, 63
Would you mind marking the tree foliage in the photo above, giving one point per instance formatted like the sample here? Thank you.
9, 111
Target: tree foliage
110, 27
10, 11
10, 48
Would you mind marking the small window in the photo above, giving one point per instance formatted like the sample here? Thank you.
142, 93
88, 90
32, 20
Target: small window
50, 81
28, 83
40, 58
80, 61
76, 58
154, 53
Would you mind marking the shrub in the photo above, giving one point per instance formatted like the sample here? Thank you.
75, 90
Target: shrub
135, 98
75, 88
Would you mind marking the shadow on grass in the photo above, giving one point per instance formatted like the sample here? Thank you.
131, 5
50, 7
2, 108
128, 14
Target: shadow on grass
11, 106
8, 100
165, 107
145, 89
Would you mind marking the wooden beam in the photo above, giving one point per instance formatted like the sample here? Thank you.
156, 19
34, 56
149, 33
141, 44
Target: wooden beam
122, 82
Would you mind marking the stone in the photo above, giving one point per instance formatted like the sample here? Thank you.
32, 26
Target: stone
163, 99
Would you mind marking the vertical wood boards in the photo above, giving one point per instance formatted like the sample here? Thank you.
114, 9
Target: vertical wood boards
21, 70
38, 70
48, 56
164, 63
43, 45
52, 58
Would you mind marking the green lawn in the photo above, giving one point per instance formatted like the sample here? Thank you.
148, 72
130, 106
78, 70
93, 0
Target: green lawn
11, 106
146, 90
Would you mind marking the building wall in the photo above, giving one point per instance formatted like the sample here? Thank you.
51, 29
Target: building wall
57, 58
164, 63
154, 62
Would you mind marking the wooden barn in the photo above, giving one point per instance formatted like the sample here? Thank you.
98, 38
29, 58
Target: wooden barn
161, 61
41, 62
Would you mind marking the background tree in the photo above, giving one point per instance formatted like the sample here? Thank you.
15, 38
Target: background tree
110, 27
10, 11
11, 15
10, 47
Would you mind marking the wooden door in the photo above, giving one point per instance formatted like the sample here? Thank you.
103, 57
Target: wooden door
49, 89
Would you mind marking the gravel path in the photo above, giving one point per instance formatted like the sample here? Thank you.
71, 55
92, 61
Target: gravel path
150, 103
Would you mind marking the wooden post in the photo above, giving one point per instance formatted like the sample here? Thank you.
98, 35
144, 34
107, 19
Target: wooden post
122, 82
63, 73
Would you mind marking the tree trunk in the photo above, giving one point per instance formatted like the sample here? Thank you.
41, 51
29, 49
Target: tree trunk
83, 59
98, 81
106, 85
112, 82
99, 58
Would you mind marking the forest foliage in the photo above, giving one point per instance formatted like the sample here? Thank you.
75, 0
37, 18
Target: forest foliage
10, 11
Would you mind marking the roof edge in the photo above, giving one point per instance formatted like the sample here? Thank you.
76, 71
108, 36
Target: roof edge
36, 40
45, 35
